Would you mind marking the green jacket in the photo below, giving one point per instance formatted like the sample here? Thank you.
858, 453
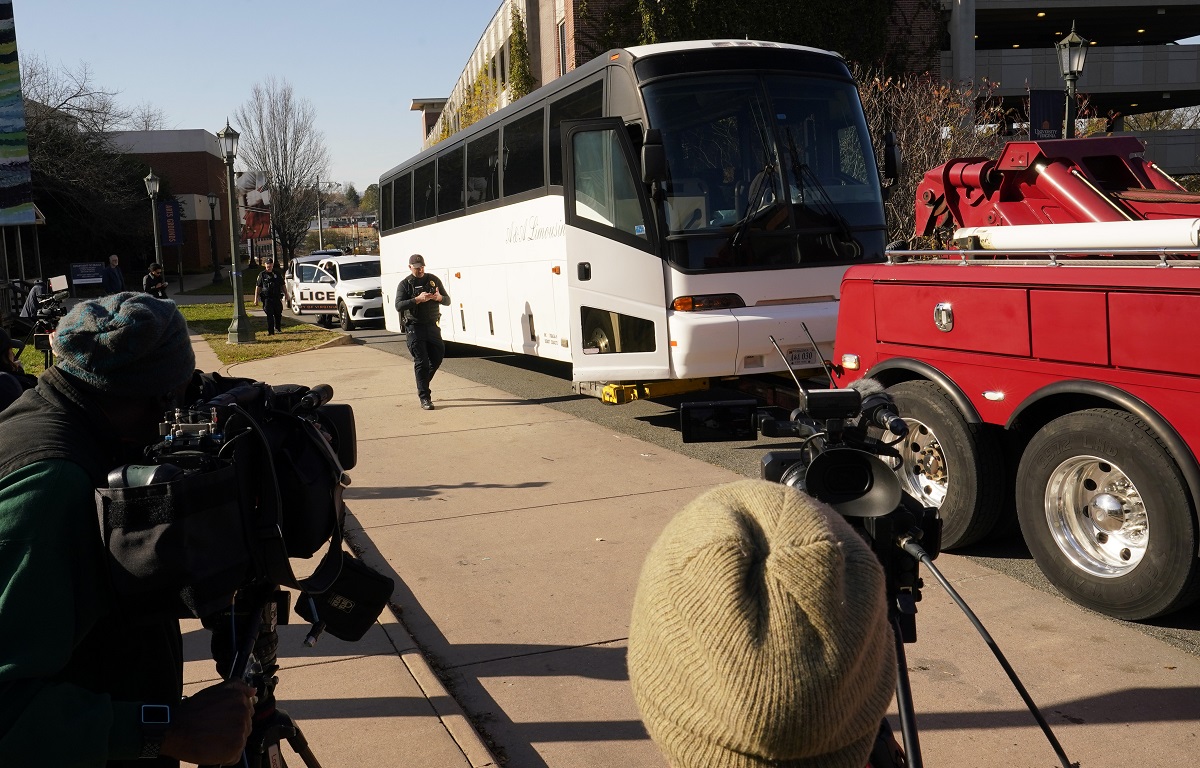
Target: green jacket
73, 670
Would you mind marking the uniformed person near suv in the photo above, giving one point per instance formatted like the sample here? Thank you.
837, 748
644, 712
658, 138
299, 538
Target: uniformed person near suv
417, 299
270, 287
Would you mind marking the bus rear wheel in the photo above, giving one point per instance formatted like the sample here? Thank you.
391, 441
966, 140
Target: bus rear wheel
948, 463
598, 332
1106, 515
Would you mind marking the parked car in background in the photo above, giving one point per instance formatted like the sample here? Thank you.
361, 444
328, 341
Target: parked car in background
349, 286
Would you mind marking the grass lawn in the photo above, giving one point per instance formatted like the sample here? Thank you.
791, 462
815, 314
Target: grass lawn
32, 360
212, 322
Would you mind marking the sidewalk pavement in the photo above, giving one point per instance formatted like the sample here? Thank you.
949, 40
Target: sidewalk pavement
515, 534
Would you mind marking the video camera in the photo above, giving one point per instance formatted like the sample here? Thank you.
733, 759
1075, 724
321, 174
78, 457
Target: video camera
238, 485
844, 462
841, 463
243, 480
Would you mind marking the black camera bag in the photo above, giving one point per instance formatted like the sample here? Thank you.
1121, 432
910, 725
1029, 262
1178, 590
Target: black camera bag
352, 604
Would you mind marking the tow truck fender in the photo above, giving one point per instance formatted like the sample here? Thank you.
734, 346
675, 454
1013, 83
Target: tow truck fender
913, 369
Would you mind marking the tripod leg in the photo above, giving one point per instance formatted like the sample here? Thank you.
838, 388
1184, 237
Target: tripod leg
904, 702
300, 744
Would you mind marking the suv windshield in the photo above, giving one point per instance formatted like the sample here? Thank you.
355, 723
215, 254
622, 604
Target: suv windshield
766, 171
357, 270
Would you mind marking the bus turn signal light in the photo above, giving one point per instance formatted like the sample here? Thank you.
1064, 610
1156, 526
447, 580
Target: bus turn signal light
712, 301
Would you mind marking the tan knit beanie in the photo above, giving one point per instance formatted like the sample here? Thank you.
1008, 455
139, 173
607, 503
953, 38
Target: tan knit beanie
759, 634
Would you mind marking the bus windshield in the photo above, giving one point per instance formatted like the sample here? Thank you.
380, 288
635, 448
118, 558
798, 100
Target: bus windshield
771, 170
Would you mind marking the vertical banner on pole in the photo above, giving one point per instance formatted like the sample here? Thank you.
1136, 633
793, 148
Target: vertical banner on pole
1047, 110
16, 185
170, 230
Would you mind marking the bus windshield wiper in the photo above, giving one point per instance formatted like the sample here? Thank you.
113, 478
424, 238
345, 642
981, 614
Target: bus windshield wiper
765, 181
807, 179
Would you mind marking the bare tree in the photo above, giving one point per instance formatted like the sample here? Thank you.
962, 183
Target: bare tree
1184, 118
934, 121
279, 136
60, 93
146, 117
92, 193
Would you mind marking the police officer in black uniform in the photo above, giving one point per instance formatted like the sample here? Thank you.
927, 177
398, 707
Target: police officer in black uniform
417, 300
270, 286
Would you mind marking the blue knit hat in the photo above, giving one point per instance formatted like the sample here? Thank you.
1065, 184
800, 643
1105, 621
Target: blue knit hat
125, 344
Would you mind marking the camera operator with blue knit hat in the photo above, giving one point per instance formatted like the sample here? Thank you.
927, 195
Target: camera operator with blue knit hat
759, 636
84, 680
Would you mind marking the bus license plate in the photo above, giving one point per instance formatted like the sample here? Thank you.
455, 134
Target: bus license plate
801, 356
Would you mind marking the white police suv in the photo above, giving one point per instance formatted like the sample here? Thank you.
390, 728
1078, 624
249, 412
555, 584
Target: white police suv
348, 286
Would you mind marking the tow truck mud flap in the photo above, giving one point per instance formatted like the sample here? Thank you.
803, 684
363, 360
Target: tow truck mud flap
617, 394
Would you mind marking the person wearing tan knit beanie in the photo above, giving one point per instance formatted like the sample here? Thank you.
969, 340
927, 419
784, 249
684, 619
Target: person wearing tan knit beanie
759, 634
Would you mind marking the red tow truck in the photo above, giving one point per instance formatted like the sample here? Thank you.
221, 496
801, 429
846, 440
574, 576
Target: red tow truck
1047, 364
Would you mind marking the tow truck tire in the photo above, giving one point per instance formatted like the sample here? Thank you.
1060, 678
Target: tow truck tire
344, 317
1107, 517
948, 463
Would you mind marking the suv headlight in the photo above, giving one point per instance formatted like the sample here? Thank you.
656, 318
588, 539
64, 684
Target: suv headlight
354, 294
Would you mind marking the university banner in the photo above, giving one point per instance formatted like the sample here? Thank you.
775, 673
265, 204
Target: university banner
170, 224
1047, 110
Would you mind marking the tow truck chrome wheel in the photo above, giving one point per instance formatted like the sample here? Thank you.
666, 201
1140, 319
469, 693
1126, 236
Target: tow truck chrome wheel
1096, 516
1107, 515
948, 463
922, 467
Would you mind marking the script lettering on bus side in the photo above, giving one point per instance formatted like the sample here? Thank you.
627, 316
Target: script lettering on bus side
532, 229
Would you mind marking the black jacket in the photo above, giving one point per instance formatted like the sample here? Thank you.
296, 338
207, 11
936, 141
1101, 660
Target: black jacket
133, 659
426, 312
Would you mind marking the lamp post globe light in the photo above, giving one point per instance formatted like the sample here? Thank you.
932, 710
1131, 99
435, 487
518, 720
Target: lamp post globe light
152, 190
1072, 53
239, 327
212, 236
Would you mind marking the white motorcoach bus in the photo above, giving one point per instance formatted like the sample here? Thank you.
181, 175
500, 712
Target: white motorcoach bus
655, 214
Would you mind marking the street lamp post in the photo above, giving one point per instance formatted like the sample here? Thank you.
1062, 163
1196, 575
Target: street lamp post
239, 328
331, 185
212, 236
1072, 52
152, 190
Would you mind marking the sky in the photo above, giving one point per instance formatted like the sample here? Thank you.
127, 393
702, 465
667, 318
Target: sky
360, 64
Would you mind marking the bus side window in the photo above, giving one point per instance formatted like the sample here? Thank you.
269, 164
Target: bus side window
482, 169
402, 200
522, 158
450, 181
424, 192
584, 103
385, 207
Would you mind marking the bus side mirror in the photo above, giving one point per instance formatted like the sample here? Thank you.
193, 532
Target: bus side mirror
892, 162
654, 159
